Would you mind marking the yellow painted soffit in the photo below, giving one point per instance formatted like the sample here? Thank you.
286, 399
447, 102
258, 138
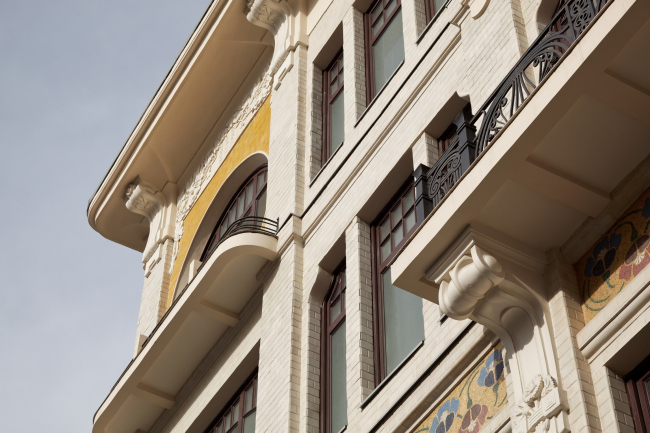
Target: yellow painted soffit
255, 138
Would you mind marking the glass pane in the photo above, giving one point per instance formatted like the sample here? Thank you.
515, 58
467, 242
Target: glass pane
220, 428
235, 413
390, 7
385, 250
335, 310
403, 322
396, 214
226, 421
388, 51
233, 214
338, 396
260, 208
249, 423
409, 198
261, 180
341, 71
240, 206
333, 86
232, 430
384, 229
248, 400
377, 11
409, 221
337, 127
376, 27
249, 193
438, 4
398, 235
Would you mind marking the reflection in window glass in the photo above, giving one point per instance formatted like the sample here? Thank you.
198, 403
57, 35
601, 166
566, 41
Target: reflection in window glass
403, 322
338, 396
249, 423
337, 126
388, 52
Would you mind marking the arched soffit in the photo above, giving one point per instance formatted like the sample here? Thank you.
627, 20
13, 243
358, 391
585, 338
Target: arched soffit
254, 139
231, 185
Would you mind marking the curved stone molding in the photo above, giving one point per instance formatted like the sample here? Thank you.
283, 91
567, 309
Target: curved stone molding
222, 146
499, 284
142, 198
478, 7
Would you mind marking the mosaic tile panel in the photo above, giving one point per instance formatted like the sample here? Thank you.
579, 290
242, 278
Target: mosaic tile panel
617, 257
473, 402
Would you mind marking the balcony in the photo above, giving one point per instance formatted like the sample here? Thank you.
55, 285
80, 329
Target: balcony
562, 137
209, 306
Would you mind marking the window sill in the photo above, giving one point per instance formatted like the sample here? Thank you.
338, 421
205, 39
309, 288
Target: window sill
397, 369
430, 24
322, 168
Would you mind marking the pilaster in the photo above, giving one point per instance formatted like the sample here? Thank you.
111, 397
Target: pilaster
354, 61
567, 321
359, 319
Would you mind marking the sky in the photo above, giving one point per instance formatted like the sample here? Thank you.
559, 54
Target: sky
75, 76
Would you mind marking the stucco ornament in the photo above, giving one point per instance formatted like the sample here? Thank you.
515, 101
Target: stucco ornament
224, 143
539, 405
144, 199
500, 284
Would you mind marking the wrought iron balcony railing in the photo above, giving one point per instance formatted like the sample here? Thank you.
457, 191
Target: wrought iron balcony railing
569, 22
247, 224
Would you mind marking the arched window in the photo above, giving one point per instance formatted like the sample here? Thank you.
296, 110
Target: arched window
250, 201
335, 401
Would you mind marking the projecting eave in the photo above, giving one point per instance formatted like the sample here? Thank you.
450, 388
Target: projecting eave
220, 63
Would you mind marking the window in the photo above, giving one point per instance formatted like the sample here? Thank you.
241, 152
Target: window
638, 390
335, 401
239, 415
432, 7
333, 112
384, 43
399, 324
250, 200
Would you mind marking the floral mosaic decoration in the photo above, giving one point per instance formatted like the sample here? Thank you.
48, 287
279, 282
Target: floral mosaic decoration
618, 256
476, 399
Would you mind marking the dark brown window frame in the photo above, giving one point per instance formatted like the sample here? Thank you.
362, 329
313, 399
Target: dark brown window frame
239, 398
638, 395
327, 329
379, 266
328, 98
370, 40
249, 209
430, 9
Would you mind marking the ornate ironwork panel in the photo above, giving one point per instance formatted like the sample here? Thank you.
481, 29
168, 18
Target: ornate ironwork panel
570, 20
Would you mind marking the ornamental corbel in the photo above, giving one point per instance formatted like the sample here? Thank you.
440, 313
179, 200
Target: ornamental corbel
269, 14
472, 277
144, 199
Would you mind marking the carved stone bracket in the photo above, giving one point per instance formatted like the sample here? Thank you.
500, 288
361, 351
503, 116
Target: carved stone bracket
144, 199
499, 283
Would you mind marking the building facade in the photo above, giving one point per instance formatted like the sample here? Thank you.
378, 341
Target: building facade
395, 216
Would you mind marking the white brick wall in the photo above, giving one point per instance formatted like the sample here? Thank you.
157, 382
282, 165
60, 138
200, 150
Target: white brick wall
575, 372
154, 294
